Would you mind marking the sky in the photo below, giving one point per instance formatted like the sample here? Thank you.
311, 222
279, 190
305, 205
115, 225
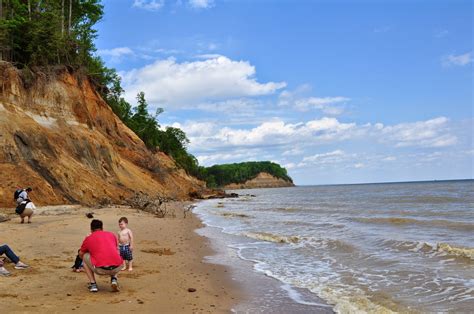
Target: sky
335, 91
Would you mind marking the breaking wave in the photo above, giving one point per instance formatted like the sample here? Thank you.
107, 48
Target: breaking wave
441, 249
269, 237
455, 225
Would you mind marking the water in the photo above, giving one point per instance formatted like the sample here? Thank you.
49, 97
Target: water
403, 247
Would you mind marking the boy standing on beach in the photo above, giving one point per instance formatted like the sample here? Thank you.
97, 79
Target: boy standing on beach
125, 237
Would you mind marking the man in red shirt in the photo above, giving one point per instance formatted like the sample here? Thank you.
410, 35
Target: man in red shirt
100, 255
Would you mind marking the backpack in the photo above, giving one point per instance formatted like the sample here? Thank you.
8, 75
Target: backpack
17, 194
21, 208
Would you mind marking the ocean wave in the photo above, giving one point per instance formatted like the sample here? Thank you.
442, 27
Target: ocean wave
234, 215
439, 249
432, 199
317, 243
455, 225
462, 252
345, 298
287, 209
269, 237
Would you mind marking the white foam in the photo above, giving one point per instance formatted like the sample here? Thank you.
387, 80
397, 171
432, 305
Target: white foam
295, 296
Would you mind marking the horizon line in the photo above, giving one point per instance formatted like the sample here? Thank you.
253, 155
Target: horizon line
386, 182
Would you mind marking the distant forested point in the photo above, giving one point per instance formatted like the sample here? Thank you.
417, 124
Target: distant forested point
221, 175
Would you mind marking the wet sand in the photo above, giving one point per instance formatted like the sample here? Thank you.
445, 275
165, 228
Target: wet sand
168, 260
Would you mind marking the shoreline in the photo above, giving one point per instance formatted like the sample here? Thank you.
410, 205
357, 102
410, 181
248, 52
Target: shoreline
265, 293
169, 258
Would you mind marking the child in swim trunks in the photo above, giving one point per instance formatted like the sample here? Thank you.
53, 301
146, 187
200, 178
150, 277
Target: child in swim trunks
125, 237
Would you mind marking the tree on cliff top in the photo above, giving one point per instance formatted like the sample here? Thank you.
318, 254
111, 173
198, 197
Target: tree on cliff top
48, 32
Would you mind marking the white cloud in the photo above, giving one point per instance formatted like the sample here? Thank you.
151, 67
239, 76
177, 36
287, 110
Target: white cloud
184, 84
151, 5
116, 54
429, 133
201, 4
324, 157
219, 158
242, 107
208, 56
325, 104
270, 133
322, 104
290, 165
459, 60
293, 152
291, 138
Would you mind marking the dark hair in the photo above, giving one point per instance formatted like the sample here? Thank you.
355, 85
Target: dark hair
123, 219
28, 189
96, 224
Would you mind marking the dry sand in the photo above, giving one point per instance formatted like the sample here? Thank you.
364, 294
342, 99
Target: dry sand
168, 258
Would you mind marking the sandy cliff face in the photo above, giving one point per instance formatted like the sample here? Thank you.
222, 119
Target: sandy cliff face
58, 136
262, 180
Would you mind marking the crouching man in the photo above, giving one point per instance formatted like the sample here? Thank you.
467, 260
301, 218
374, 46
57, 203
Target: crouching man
100, 255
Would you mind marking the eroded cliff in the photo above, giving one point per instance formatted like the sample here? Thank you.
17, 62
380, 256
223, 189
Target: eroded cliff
58, 136
262, 180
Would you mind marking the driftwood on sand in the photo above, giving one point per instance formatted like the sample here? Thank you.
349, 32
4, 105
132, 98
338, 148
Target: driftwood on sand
156, 205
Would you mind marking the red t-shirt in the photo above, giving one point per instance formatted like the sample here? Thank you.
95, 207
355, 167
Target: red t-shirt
102, 246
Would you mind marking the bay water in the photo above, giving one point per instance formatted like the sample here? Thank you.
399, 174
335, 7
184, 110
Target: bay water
389, 247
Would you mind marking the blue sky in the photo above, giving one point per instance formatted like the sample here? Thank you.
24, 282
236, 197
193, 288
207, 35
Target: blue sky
335, 91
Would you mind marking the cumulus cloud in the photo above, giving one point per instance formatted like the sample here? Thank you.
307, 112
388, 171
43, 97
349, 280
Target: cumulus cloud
293, 152
242, 107
295, 99
299, 144
151, 5
457, 60
229, 157
201, 4
429, 133
291, 138
336, 158
116, 54
187, 83
325, 157
270, 133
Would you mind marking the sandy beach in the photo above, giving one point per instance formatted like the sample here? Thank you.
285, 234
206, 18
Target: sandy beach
168, 260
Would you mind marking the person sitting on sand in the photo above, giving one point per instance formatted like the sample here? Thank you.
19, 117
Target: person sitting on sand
5, 249
25, 208
125, 237
100, 255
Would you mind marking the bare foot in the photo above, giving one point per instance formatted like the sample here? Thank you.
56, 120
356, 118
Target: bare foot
130, 269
